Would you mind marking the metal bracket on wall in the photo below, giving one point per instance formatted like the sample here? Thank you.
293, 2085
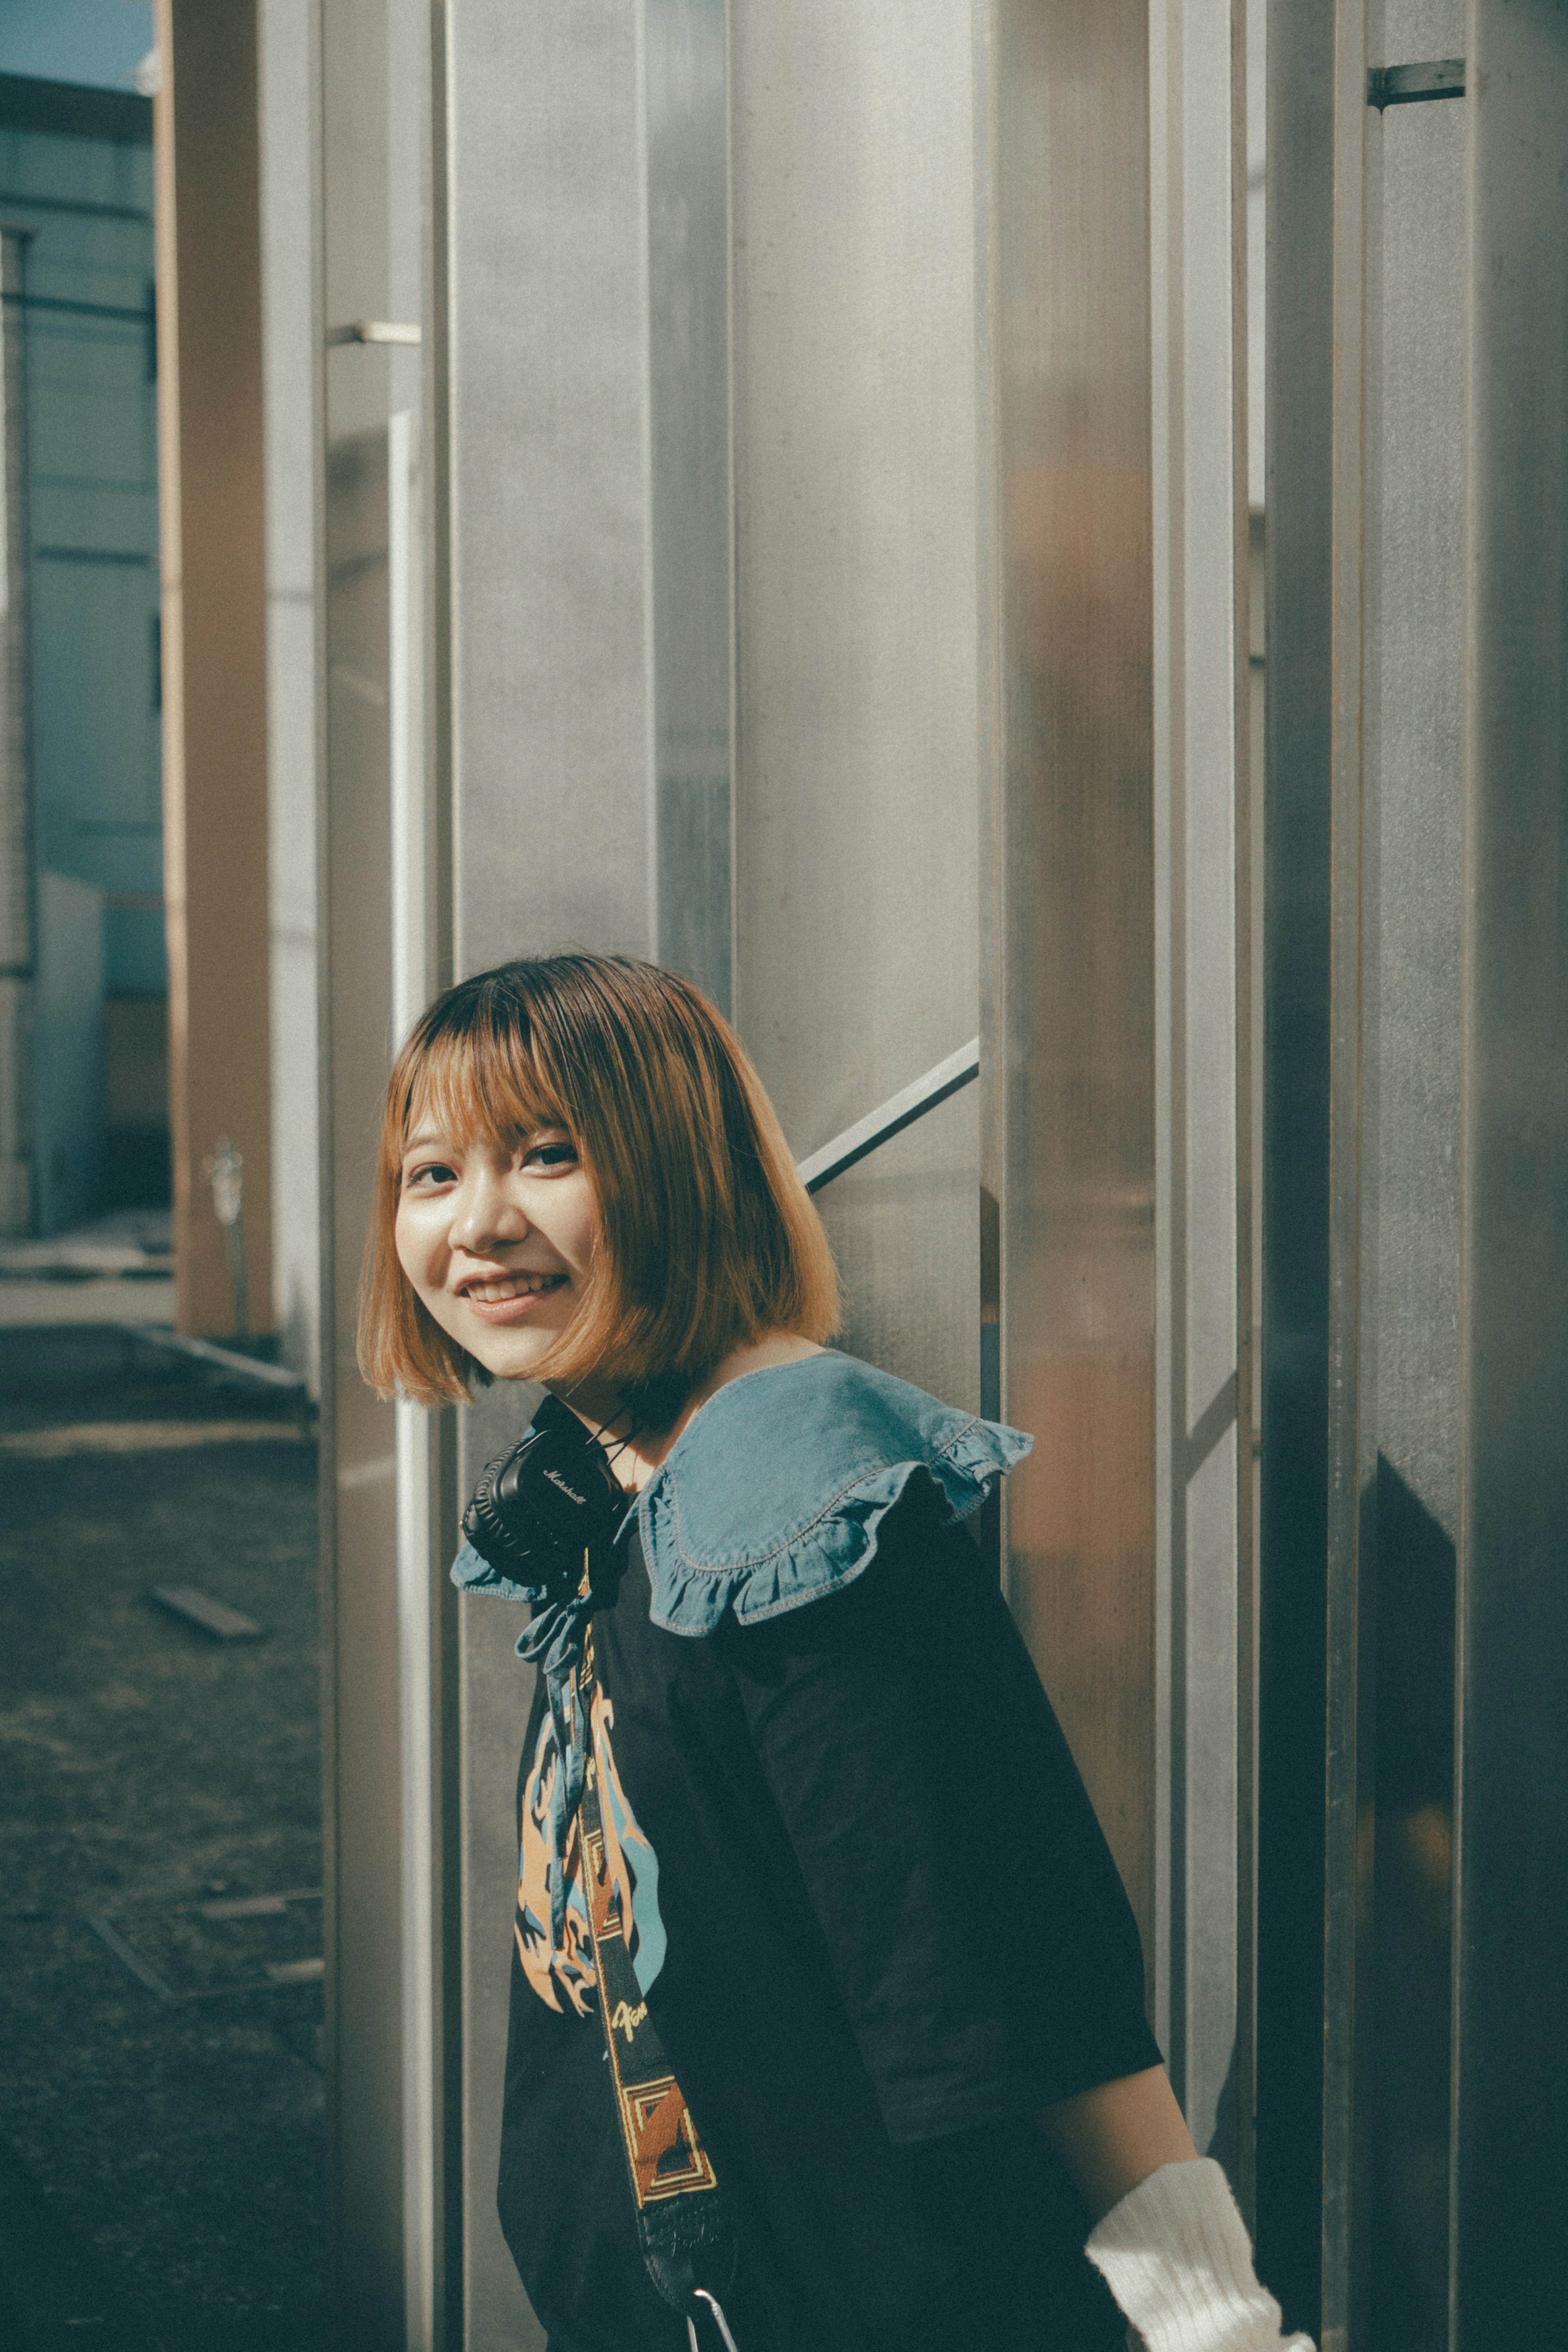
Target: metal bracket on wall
373, 331
1415, 85
899, 1111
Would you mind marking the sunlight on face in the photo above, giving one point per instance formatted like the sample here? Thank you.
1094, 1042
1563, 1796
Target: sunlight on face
497, 1240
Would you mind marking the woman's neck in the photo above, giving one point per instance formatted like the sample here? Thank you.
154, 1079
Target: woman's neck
637, 1453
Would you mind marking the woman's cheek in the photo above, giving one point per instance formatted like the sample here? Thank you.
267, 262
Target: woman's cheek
414, 1247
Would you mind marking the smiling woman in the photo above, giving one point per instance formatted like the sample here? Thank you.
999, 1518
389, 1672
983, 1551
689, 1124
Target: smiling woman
782, 2064
591, 1122
497, 1240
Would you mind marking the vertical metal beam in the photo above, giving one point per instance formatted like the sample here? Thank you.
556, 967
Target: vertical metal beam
1068, 866
1202, 1417
1413, 670
388, 1481
543, 524
365, 1715
1352, 1273
1511, 2083
438, 1458
1295, 1306
991, 803
423, 1479
365, 2000
686, 70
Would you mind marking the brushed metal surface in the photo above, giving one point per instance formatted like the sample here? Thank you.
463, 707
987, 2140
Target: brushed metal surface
388, 1477
903, 1109
364, 1936
1394, 1208
1068, 861
549, 573
549, 580
1299, 347
691, 507
1201, 795
1416, 585
1352, 1292
853, 325
1509, 2248
1415, 596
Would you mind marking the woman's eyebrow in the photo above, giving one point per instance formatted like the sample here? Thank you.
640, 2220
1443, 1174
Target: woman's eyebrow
418, 1142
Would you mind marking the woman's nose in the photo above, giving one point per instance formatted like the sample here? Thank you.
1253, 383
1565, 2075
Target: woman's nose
485, 1215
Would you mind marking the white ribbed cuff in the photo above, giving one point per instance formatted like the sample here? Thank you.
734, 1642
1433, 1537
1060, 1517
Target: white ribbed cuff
1175, 2255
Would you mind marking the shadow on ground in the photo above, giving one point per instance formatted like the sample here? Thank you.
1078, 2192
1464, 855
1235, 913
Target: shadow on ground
161, 2101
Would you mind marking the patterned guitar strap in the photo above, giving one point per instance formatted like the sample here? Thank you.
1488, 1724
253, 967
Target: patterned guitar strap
687, 2239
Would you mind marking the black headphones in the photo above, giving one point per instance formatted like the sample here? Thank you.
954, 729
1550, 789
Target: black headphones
538, 1508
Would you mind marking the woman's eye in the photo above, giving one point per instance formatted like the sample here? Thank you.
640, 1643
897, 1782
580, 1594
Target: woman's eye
550, 1155
433, 1172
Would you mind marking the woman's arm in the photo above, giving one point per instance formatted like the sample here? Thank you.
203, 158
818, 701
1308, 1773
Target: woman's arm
1111, 2137
1167, 2237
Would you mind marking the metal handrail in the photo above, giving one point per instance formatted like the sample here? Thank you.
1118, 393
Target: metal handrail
899, 1111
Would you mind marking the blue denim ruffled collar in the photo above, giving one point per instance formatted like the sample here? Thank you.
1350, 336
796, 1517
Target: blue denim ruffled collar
773, 1495
774, 1492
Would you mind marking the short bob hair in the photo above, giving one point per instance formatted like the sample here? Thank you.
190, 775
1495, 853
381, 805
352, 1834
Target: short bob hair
707, 1236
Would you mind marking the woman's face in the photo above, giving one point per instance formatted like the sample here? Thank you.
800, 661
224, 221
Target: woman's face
497, 1242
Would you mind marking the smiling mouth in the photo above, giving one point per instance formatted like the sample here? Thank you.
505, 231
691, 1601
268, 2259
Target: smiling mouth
510, 1286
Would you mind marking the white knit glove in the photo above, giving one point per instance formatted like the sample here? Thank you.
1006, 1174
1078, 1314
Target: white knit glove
1175, 2255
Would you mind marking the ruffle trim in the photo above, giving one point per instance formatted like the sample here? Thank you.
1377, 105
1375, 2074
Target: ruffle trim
692, 1598
472, 1574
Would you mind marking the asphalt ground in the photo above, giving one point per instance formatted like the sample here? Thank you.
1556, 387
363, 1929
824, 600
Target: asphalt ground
161, 2131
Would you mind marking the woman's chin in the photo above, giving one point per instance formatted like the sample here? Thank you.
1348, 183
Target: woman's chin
510, 1352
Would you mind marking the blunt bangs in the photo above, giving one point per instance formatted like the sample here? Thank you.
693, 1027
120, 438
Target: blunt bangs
479, 1085
706, 1238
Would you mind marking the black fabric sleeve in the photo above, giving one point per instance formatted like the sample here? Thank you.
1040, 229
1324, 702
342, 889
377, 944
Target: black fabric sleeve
983, 1946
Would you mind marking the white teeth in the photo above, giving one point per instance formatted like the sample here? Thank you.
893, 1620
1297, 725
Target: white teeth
515, 1285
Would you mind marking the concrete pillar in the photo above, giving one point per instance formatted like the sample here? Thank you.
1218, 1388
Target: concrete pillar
215, 716
287, 47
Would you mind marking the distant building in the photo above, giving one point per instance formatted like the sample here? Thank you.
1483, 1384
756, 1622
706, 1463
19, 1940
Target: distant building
83, 1043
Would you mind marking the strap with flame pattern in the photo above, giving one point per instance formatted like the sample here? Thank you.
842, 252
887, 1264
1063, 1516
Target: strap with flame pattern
686, 2236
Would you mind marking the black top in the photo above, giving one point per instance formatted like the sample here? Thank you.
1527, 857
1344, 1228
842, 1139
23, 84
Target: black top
877, 1928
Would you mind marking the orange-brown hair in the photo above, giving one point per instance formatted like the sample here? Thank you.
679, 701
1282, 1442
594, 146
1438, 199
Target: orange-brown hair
706, 1238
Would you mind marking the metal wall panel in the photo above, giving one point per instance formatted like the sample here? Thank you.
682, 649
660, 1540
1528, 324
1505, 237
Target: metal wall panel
1418, 467
387, 1474
1352, 1293
1201, 800
1068, 1016
940, 410
855, 534
546, 244
690, 517
364, 1870
1510, 2250
1414, 582
1294, 1464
